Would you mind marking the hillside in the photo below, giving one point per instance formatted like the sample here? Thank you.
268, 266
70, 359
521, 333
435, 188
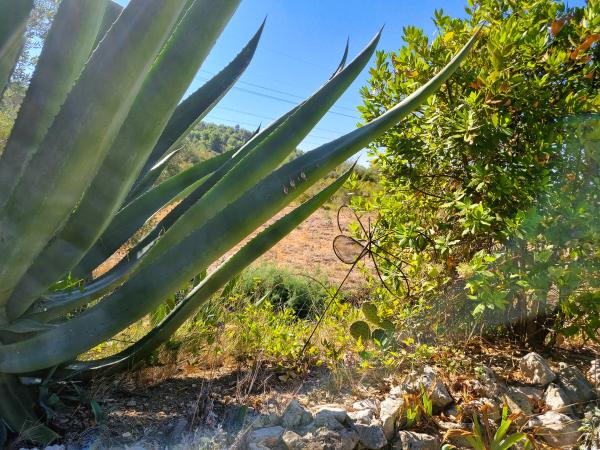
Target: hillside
204, 141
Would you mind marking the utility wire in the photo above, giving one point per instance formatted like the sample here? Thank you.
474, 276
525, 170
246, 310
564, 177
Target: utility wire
276, 91
307, 139
272, 97
259, 116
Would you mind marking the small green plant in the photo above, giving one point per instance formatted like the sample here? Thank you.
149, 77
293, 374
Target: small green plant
483, 438
590, 427
382, 335
418, 408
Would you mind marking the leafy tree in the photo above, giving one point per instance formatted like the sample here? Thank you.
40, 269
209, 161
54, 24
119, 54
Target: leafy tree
459, 174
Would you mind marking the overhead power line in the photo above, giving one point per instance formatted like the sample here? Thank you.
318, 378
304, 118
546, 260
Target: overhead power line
260, 116
276, 91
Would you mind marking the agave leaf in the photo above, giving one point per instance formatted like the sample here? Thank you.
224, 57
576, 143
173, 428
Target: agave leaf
3, 434
79, 137
12, 28
14, 14
192, 110
143, 291
342, 64
133, 216
26, 326
171, 268
148, 180
17, 411
111, 14
8, 60
57, 304
206, 288
165, 85
267, 155
66, 49
108, 244
185, 117
97, 254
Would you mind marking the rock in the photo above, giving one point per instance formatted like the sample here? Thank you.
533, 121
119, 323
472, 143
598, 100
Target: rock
534, 394
265, 421
556, 429
594, 374
371, 436
409, 440
55, 447
366, 404
178, 430
427, 379
322, 439
389, 412
127, 435
292, 440
325, 416
397, 391
492, 387
364, 416
518, 403
451, 412
536, 370
265, 437
577, 388
330, 429
295, 415
556, 400
253, 446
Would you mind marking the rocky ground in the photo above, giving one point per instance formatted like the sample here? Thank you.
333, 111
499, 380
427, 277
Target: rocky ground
550, 401
183, 406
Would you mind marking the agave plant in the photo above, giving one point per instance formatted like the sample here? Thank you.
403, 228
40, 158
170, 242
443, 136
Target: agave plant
101, 118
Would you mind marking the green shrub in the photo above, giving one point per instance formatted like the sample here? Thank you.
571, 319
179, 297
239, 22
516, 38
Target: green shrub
283, 288
102, 115
457, 182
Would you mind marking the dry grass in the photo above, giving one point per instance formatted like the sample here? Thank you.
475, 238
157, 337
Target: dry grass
306, 250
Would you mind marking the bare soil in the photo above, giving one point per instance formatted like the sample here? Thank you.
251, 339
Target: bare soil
307, 250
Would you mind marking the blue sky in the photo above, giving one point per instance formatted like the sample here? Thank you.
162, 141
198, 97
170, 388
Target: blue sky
301, 46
